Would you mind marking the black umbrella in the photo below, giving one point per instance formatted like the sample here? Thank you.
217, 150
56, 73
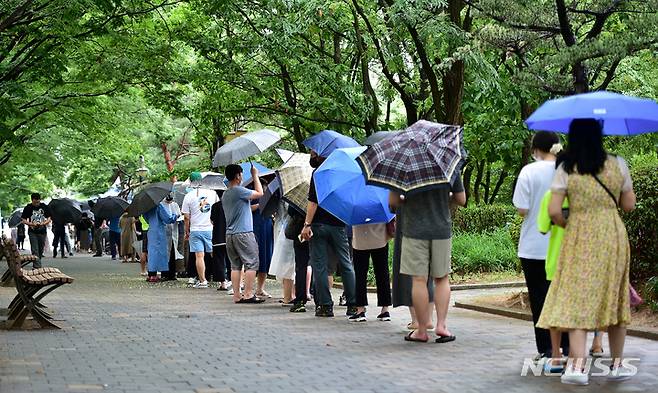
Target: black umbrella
109, 207
65, 210
148, 198
267, 204
15, 218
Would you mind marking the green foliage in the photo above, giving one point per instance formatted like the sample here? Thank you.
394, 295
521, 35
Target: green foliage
483, 218
492, 251
642, 223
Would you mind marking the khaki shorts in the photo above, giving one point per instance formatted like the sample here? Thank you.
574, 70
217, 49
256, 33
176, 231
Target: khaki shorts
242, 250
425, 257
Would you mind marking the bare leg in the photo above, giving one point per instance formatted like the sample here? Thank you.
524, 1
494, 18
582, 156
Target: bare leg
577, 351
236, 276
556, 343
616, 338
261, 277
249, 278
288, 288
441, 303
142, 262
309, 276
414, 322
331, 281
597, 342
420, 300
200, 265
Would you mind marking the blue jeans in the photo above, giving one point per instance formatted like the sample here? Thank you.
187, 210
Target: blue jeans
325, 236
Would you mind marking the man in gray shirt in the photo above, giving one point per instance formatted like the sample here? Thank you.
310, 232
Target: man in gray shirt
241, 246
426, 248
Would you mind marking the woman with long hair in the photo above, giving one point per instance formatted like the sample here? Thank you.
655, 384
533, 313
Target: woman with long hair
590, 290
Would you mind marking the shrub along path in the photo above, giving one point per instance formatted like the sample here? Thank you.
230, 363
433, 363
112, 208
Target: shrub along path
124, 335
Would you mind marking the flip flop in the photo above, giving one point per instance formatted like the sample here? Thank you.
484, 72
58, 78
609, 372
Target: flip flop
445, 339
413, 339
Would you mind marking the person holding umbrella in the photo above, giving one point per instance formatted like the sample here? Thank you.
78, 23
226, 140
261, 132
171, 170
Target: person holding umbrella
158, 255
37, 217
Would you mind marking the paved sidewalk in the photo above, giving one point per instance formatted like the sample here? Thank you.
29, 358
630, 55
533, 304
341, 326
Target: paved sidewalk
124, 335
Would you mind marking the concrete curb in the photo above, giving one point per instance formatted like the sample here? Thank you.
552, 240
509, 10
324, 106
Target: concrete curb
461, 287
649, 334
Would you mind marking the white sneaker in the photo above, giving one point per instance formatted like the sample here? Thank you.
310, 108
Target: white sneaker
619, 374
201, 284
227, 284
574, 377
191, 281
230, 292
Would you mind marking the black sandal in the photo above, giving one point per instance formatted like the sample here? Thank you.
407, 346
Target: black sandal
408, 337
445, 339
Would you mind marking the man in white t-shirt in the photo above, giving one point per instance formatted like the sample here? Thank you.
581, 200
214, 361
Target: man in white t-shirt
198, 227
534, 180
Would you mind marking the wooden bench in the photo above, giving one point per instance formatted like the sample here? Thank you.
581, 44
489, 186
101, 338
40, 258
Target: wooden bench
32, 286
7, 278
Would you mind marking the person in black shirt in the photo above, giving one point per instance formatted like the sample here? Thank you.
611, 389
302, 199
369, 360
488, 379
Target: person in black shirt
326, 232
59, 232
221, 270
36, 216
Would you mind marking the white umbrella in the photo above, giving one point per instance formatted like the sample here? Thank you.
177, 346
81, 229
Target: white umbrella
245, 146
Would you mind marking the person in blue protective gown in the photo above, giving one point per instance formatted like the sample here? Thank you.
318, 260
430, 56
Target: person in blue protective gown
158, 260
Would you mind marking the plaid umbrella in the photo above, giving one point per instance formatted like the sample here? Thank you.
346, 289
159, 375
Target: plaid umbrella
295, 178
426, 155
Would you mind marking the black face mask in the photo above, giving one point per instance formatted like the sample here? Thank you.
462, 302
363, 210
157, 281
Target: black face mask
314, 162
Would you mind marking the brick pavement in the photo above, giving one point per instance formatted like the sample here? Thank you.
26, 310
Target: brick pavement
124, 335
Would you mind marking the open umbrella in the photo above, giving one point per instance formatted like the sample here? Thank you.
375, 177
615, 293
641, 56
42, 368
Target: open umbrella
342, 190
65, 210
15, 218
263, 171
284, 154
245, 146
621, 115
327, 141
267, 204
148, 198
109, 207
378, 137
426, 155
212, 181
295, 178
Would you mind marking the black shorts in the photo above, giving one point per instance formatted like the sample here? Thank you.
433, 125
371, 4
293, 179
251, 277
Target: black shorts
145, 241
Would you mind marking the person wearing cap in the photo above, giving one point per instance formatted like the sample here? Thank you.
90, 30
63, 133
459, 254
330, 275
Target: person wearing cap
197, 206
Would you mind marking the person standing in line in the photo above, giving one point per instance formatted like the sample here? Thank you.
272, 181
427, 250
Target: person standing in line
128, 237
115, 236
198, 227
327, 233
172, 238
37, 217
241, 245
371, 241
222, 266
591, 289
533, 182
141, 232
59, 238
99, 224
426, 251
264, 232
82, 230
158, 255
302, 259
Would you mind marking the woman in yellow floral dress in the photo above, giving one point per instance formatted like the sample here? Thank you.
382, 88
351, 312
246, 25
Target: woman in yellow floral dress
590, 290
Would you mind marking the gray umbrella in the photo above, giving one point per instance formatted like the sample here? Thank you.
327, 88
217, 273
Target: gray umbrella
15, 218
245, 146
109, 207
378, 137
213, 181
148, 198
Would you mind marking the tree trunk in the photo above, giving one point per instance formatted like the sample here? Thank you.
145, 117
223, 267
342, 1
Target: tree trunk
468, 171
478, 181
487, 183
168, 162
499, 183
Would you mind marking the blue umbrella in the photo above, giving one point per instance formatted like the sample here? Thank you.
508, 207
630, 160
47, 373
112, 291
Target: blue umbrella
246, 172
342, 190
621, 115
327, 141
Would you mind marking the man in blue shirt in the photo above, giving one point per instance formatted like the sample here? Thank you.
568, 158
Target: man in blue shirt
115, 236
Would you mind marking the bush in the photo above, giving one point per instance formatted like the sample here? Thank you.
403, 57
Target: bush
486, 252
642, 223
483, 218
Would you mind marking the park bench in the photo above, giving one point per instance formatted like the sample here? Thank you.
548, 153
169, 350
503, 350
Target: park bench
32, 286
7, 278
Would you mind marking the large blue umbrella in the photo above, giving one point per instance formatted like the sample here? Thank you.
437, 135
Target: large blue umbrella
621, 115
325, 142
342, 190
